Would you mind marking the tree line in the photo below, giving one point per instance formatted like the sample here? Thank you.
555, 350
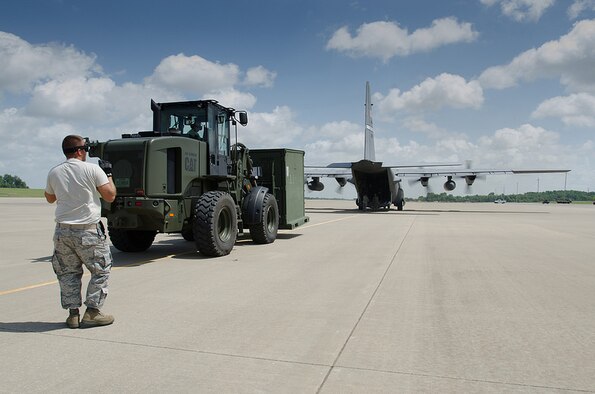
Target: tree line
552, 196
12, 182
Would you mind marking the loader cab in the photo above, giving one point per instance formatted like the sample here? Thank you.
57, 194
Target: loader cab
203, 120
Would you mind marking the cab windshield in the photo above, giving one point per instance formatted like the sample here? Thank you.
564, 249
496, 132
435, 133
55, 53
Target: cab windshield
191, 125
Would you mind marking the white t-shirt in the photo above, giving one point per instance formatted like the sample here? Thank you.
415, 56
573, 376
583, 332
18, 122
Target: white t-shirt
74, 183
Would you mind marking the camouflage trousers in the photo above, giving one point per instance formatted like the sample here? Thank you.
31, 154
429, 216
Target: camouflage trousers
75, 246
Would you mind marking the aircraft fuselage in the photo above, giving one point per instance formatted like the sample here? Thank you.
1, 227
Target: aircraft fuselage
376, 186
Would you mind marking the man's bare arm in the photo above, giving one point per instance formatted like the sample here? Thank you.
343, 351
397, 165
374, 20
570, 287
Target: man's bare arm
108, 191
51, 198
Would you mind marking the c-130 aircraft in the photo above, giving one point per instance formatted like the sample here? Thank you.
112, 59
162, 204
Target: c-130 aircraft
379, 186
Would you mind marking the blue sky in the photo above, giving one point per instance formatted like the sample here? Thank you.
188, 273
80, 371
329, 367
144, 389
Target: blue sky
503, 83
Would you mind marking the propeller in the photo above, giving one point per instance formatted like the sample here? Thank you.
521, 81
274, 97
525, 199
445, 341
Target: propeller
470, 179
424, 181
341, 182
315, 184
449, 185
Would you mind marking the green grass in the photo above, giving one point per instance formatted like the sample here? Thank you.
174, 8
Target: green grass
6, 192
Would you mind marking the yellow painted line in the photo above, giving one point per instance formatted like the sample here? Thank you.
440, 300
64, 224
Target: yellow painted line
53, 282
27, 287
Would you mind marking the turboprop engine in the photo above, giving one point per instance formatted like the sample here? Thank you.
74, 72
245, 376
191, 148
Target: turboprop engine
315, 184
470, 179
449, 185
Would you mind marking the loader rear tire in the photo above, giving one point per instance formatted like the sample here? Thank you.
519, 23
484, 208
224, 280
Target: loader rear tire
265, 232
215, 224
188, 232
131, 240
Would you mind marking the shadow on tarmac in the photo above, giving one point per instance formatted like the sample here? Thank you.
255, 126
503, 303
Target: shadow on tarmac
169, 246
284, 236
46, 259
177, 248
32, 326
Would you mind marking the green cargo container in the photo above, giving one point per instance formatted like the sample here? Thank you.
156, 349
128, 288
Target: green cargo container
283, 173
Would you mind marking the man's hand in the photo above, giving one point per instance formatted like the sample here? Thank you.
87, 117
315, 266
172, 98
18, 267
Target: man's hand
106, 166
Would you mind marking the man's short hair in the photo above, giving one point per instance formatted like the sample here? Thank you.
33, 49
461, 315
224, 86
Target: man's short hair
69, 142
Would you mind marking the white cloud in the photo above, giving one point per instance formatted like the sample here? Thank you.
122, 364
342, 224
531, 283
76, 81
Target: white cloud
334, 141
31, 138
448, 149
575, 109
571, 58
347, 147
420, 125
344, 141
24, 64
232, 98
445, 90
194, 75
580, 6
270, 130
337, 129
94, 103
385, 40
260, 76
524, 146
522, 10
199, 77
73, 98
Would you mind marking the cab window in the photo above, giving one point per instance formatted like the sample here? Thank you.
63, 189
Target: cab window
223, 133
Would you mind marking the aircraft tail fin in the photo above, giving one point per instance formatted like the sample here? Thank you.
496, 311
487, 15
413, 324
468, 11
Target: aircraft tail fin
369, 151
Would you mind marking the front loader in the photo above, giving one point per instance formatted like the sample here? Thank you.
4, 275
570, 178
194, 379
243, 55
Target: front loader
185, 176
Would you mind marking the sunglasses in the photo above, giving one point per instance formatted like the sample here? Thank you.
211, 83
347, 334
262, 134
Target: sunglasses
77, 148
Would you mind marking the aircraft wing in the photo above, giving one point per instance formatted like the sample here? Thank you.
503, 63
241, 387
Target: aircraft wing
339, 169
469, 174
310, 172
464, 172
341, 174
396, 167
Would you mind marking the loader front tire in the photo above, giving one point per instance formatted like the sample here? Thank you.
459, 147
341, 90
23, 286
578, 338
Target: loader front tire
215, 224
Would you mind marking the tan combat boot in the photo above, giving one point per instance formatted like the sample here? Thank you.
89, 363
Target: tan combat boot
73, 319
93, 318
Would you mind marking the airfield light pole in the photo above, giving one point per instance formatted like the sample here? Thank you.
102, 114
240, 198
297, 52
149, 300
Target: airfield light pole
565, 178
537, 185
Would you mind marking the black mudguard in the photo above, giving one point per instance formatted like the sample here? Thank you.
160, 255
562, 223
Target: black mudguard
252, 205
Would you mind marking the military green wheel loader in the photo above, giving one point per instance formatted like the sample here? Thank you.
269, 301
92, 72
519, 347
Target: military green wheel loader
185, 176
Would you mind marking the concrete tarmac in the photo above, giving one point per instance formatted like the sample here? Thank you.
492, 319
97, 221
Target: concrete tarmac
437, 298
